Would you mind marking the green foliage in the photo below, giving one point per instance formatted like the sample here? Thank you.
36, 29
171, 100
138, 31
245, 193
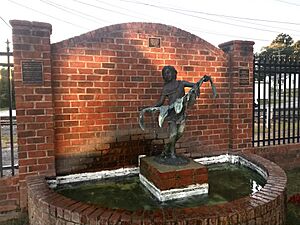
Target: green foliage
282, 45
296, 49
4, 90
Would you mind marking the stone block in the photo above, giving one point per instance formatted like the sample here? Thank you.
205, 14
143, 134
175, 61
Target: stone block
168, 182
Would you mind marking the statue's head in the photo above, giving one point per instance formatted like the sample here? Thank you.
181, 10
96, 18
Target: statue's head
169, 73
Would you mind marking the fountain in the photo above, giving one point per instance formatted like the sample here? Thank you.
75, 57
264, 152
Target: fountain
262, 204
78, 115
180, 185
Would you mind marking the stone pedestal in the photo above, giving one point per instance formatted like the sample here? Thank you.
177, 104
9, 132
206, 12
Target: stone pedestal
167, 182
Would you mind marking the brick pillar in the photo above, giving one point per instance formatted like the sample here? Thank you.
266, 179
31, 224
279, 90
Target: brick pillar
240, 63
34, 103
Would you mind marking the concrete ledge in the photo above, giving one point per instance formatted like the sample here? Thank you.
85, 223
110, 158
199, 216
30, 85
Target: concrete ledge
175, 193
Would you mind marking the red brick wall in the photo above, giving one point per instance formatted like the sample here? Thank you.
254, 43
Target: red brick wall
101, 80
84, 115
31, 42
240, 59
9, 194
286, 156
95, 84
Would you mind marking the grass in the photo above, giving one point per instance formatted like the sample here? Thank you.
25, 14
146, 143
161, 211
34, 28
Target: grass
293, 187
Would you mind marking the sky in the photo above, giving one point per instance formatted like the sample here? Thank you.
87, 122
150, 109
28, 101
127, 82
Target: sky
216, 21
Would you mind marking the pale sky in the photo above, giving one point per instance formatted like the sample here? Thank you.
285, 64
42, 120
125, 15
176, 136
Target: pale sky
214, 21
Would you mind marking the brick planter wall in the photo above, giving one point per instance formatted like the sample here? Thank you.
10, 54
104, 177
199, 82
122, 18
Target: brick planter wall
287, 156
266, 206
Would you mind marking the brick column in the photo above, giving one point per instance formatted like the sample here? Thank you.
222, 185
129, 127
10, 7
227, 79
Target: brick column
34, 103
240, 63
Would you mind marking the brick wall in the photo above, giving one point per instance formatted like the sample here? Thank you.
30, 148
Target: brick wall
31, 43
95, 84
240, 64
286, 156
9, 194
83, 116
103, 78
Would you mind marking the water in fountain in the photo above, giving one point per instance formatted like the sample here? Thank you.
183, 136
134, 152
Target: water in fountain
226, 183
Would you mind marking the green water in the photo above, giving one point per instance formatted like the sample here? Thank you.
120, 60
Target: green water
226, 183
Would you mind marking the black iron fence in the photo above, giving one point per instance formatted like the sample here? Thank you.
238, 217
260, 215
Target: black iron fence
8, 155
276, 100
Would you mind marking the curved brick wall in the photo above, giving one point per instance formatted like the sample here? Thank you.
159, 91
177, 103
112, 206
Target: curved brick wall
101, 80
264, 207
95, 84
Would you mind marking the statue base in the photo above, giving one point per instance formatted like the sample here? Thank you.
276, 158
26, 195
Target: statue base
168, 182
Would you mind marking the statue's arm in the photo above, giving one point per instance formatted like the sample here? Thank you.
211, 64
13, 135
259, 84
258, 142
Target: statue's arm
156, 107
188, 84
160, 101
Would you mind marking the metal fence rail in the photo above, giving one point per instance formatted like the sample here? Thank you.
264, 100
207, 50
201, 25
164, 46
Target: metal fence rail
276, 100
8, 161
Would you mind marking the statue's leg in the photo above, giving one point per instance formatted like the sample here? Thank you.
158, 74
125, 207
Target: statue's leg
173, 139
166, 152
167, 148
180, 130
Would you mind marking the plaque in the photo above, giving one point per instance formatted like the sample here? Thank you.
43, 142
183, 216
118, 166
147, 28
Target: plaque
154, 42
244, 76
32, 72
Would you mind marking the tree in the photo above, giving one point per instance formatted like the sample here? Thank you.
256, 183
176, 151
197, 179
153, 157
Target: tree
282, 45
4, 91
296, 48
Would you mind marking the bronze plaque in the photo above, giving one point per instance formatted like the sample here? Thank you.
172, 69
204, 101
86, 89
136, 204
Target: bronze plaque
32, 72
154, 42
244, 76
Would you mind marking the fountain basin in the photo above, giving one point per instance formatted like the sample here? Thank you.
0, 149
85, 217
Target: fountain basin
266, 206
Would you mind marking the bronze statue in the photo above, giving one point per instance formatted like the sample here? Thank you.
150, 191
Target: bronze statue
175, 111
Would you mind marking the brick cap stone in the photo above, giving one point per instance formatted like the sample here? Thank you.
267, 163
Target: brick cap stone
31, 24
153, 28
236, 42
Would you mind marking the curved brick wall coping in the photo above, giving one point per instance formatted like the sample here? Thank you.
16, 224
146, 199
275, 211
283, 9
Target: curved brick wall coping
81, 177
74, 178
266, 206
228, 158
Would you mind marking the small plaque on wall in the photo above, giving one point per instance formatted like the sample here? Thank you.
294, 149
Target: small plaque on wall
32, 72
244, 76
154, 42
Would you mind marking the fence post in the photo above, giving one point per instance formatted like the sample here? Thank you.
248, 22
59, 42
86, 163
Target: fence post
34, 100
240, 64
